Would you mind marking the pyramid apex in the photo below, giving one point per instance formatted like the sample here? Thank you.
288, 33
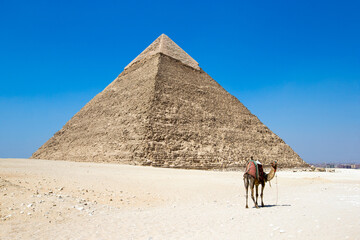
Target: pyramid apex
163, 44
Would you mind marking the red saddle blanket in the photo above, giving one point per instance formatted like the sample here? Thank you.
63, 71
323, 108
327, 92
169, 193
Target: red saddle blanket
255, 170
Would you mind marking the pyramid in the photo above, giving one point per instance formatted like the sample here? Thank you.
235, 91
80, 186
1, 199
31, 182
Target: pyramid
163, 110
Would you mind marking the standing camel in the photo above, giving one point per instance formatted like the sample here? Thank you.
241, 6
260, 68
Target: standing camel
256, 177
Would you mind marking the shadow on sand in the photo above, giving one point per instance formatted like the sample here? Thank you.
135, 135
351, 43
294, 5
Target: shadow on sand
282, 205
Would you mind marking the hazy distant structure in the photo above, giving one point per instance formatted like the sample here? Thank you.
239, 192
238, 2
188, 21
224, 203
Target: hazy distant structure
163, 110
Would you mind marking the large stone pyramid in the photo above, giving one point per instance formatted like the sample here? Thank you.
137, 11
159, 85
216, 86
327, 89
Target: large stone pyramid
165, 111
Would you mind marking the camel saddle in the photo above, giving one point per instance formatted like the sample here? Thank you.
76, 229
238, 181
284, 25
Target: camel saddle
255, 169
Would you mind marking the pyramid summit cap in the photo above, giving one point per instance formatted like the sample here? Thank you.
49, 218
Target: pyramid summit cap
163, 44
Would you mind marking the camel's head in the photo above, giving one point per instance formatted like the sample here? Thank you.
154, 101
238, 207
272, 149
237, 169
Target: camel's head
274, 164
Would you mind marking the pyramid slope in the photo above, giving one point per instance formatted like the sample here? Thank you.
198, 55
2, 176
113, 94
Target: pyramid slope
163, 44
112, 126
198, 124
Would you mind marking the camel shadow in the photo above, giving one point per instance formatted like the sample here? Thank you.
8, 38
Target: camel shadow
272, 205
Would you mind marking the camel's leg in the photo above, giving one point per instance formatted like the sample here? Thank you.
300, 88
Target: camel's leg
252, 183
246, 184
262, 193
257, 193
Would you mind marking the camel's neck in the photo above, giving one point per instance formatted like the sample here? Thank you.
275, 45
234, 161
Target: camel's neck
271, 174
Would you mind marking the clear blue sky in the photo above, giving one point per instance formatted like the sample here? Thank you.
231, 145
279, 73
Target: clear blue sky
294, 64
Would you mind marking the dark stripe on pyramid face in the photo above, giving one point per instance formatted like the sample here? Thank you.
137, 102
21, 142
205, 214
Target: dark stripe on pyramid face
163, 112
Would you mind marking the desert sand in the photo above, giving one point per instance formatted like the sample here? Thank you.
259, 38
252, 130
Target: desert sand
43, 199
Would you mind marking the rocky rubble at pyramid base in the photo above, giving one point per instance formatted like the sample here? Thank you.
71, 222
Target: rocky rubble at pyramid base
225, 167
199, 164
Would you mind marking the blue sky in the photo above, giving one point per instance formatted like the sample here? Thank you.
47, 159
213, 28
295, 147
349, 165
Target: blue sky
294, 64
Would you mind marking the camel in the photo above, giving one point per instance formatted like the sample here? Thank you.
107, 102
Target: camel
250, 180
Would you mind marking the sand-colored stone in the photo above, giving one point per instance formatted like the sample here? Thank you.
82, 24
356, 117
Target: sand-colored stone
162, 112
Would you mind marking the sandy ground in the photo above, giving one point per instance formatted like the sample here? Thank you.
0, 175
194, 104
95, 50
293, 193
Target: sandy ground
43, 199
